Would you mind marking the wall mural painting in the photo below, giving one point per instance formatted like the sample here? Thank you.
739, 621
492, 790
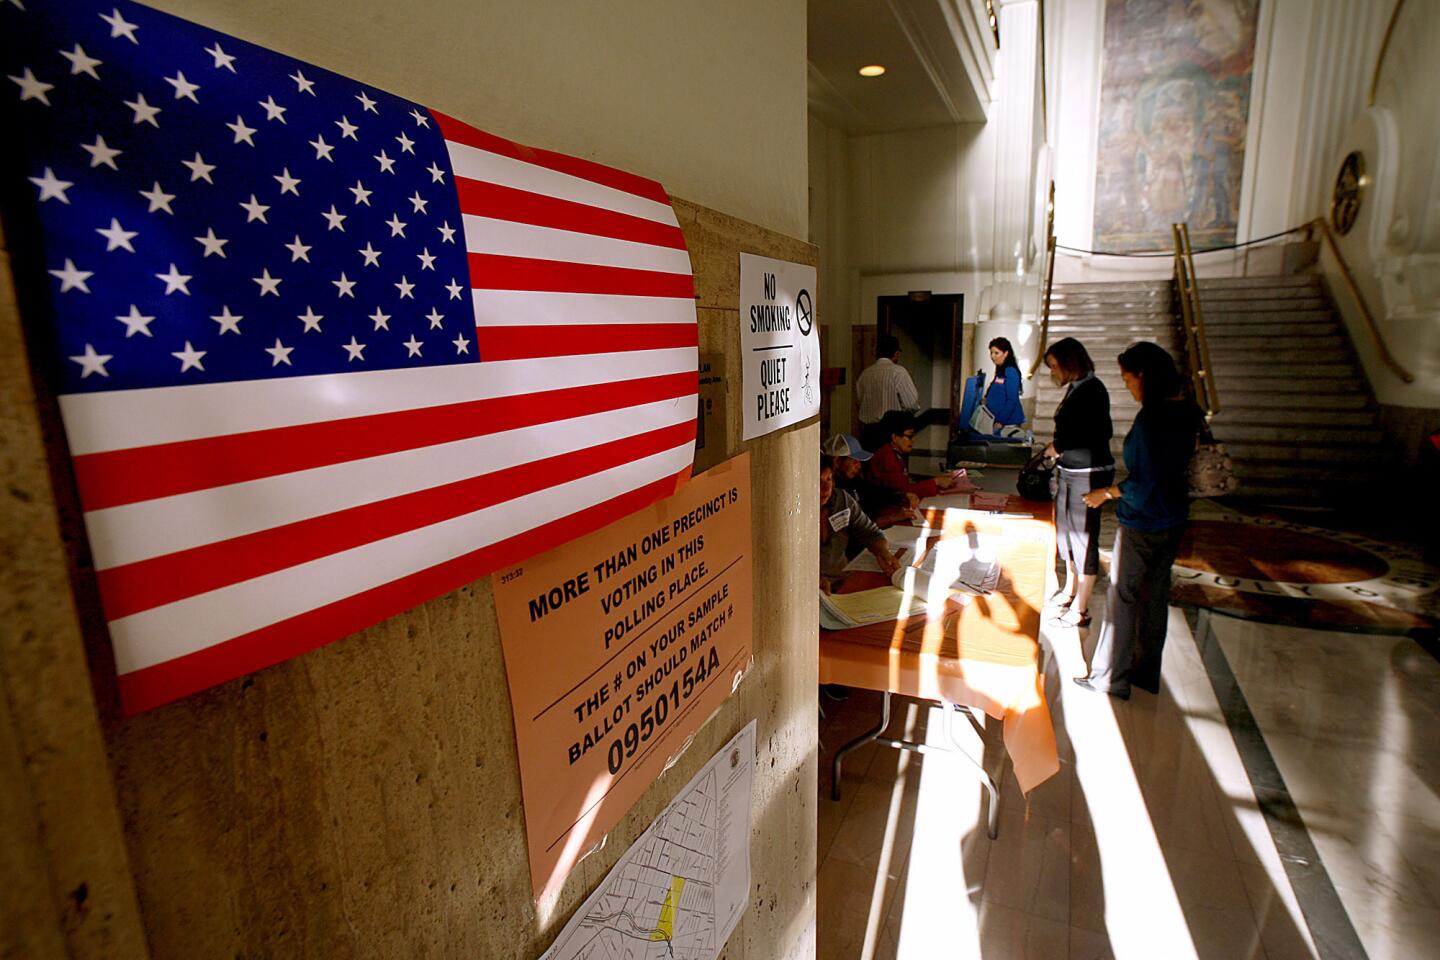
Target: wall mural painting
1174, 102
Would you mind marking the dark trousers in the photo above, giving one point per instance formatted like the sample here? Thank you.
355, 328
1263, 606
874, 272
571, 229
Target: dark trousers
1136, 611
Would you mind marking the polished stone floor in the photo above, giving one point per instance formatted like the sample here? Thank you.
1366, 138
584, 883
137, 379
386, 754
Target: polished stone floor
1151, 844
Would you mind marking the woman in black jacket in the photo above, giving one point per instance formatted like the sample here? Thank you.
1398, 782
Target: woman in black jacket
1082, 444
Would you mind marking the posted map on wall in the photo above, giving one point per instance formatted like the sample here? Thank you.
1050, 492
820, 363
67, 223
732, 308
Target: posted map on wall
1174, 103
679, 890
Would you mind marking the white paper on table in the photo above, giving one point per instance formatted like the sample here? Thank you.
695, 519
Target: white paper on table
680, 889
906, 543
966, 564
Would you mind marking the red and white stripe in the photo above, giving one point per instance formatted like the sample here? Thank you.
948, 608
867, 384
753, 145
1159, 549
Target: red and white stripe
245, 523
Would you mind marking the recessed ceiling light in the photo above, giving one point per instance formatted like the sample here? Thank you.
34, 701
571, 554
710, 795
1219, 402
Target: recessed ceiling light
872, 70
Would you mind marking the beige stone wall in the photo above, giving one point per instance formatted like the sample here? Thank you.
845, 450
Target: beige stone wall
363, 800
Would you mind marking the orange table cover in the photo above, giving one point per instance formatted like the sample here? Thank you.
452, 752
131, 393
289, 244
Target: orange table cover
983, 653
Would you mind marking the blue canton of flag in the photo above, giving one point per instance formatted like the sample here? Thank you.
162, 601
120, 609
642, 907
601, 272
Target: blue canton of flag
213, 211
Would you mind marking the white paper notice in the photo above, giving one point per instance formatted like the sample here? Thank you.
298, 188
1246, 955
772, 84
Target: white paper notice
679, 890
779, 343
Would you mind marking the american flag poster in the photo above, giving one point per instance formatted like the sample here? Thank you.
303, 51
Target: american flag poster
321, 353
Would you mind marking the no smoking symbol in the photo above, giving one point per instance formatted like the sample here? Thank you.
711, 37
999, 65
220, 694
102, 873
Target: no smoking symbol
804, 312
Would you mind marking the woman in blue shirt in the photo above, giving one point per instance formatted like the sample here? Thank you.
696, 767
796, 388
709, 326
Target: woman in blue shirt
1154, 504
1002, 398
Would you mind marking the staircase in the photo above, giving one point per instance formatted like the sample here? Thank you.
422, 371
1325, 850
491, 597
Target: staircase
1107, 318
1295, 408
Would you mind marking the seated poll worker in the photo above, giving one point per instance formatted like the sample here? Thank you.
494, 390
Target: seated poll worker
850, 459
886, 468
842, 523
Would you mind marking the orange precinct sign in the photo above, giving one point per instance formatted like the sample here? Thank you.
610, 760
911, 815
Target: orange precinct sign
618, 647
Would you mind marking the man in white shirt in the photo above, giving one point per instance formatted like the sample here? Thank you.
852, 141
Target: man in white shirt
882, 387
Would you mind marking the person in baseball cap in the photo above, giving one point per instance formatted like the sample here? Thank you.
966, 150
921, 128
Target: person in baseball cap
844, 445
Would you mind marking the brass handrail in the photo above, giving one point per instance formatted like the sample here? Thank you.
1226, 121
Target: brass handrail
1365, 313
1192, 318
1049, 279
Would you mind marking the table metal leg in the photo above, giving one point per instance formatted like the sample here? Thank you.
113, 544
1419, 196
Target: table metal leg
860, 741
874, 735
993, 815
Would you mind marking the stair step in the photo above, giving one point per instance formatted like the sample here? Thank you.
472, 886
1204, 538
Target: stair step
1232, 381
1114, 286
1232, 305
1229, 432
1224, 355
1243, 318
1313, 472
1256, 366
1319, 399
1275, 453
1264, 335
1263, 283
1232, 413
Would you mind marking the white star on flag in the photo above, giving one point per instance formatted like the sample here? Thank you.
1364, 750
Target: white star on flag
229, 322
223, 60
335, 218
51, 186
371, 255
92, 362
356, 350
254, 210
447, 232
347, 129
32, 88
120, 27
361, 194
81, 62
135, 322
436, 318
407, 145
288, 184
72, 278
382, 319
427, 259
280, 353
413, 346
144, 113
386, 164
268, 284
454, 288
189, 358
344, 286
159, 199
199, 169
101, 153
212, 243
184, 89
397, 226
243, 132
298, 250
418, 203
175, 280
302, 84
117, 237
420, 118
404, 286
461, 344
273, 110
311, 319
366, 102
436, 174
322, 149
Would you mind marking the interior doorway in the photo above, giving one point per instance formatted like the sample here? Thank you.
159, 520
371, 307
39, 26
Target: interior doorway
930, 328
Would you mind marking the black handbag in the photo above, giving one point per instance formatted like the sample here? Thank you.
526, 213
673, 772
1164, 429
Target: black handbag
1035, 476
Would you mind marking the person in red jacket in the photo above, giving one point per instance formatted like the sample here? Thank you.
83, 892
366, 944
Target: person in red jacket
887, 464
